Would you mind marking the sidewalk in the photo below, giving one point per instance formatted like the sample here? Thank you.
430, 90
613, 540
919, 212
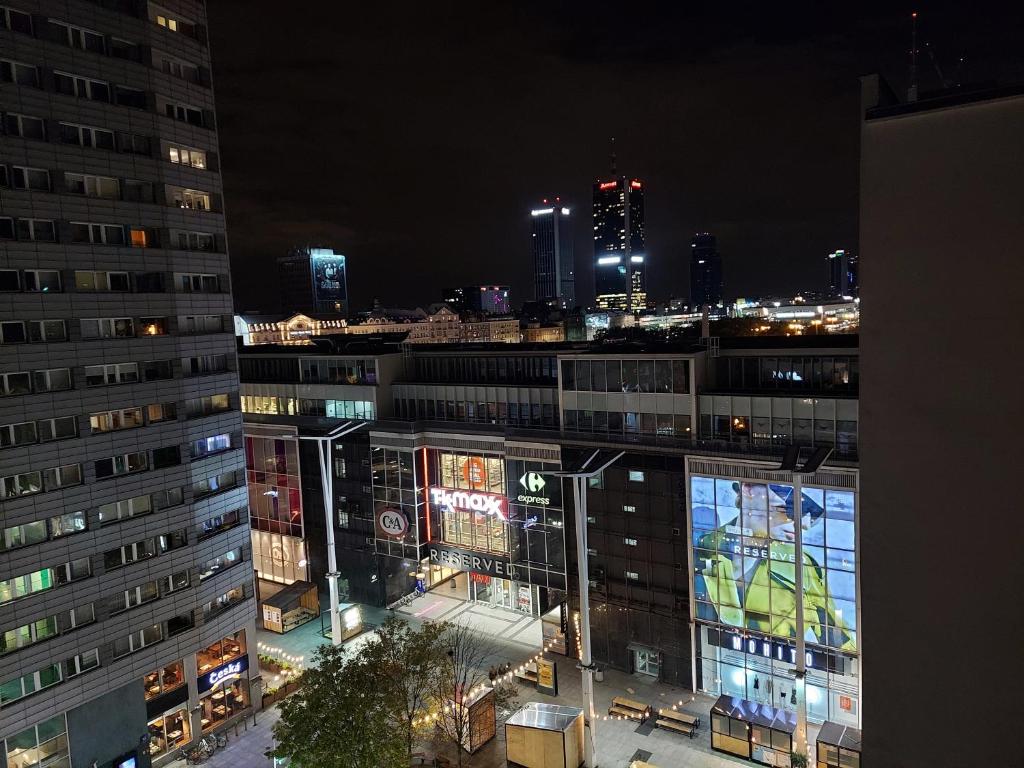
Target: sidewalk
247, 749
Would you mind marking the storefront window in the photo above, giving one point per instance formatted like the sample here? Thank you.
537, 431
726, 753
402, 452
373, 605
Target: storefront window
224, 701
475, 530
168, 731
221, 652
163, 680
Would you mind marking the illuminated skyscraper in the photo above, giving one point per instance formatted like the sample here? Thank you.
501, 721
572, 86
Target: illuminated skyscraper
313, 280
705, 271
842, 273
619, 255
553, 271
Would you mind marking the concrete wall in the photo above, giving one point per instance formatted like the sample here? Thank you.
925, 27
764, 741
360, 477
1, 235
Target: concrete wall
942, 221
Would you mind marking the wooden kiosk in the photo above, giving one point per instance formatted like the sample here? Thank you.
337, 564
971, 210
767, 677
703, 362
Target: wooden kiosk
542, 735
291, 607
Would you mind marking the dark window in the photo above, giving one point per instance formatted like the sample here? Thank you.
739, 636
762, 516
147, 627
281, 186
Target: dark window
129, 97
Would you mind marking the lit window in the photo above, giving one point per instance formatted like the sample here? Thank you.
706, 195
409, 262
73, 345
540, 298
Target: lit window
138, 238
636, 476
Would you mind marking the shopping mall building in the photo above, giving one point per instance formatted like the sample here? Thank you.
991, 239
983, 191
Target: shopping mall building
690, 534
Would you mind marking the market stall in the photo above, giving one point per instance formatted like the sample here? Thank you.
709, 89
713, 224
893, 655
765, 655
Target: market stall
291, 607
542, 735
838, 746
753, 731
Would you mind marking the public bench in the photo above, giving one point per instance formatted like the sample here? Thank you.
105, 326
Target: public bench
528, 674
629, 708
680, 722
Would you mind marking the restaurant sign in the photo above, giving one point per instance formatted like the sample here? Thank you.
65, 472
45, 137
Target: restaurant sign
226, 672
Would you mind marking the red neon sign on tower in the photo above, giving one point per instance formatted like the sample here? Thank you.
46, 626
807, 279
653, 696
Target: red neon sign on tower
608, 185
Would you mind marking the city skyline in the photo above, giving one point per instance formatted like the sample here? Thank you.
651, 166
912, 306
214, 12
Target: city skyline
397, 140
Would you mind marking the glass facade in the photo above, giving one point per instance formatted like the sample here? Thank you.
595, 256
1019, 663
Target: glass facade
335, 370
478, 411
839, 373
487, 369
744, 585
275, 491
651, 376
169, 731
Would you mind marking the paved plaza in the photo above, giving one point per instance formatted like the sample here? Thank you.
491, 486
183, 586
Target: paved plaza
514, 638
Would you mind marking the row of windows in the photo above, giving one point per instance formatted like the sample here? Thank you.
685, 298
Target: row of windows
60, 379
333, 370
829, 374
629, 422
39, 331
53, 674
40, 431
94, 137
43, 629
761, 430
521, 414
32, 230
485, 369
40, 481
81, 87
665, 376
104, 281
83, 38
105, 187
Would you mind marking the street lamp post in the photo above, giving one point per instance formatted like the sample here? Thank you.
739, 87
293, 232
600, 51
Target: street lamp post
323, 450
579, 492
797, 475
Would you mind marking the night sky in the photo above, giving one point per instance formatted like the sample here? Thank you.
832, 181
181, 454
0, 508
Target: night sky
415, 138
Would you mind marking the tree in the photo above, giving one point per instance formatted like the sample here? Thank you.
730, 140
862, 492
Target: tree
460, 675
341, 717
407, 661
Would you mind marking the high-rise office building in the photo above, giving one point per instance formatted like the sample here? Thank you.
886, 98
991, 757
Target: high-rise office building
313, 280
126, 603
554, 278
843, 271
619, 257
705, 271
489, 299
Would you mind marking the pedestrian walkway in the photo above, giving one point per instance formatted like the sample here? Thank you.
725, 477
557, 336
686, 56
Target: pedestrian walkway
248, 748
496, 623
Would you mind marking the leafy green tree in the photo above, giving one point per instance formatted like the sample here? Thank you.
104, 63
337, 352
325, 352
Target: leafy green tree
341, 717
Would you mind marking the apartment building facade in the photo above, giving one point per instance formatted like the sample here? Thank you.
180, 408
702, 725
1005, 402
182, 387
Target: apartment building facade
126, 603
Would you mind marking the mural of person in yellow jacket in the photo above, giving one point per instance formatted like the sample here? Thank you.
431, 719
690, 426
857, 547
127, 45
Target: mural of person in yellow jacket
747, 567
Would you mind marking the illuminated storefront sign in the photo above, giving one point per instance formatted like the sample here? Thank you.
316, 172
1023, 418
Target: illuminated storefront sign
534, 491
476, 501
474, 562
219, 675
391, 522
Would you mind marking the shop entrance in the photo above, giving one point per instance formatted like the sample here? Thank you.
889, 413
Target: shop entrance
503, 593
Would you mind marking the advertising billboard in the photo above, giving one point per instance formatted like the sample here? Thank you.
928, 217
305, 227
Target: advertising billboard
744, 559
329, 285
